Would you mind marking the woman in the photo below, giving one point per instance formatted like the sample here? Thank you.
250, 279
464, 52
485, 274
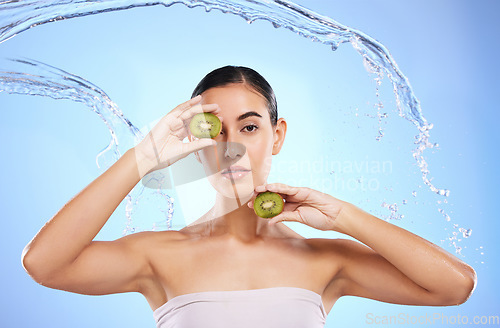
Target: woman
231, 267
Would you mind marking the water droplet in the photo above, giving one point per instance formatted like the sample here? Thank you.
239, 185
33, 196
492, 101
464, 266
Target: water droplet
406, 102
466, 232
444, 192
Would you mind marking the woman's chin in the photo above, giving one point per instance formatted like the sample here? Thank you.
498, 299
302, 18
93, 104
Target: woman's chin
241, 187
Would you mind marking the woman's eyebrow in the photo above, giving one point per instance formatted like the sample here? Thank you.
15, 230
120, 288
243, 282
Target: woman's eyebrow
248, 114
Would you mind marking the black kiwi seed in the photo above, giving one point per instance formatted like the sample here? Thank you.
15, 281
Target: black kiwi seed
268, 204
205, 125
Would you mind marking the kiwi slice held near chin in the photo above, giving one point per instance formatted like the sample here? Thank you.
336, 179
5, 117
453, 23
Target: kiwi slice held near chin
205, 125
268, 204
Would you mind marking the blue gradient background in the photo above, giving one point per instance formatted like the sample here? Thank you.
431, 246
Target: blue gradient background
149, 59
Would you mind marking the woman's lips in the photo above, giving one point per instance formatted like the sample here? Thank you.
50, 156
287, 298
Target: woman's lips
235, 173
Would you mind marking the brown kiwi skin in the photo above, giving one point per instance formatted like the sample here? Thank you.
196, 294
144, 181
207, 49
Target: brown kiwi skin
268, 216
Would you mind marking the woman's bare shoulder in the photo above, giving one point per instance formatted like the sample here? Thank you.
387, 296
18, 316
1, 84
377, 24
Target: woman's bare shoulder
146, 238
334, 246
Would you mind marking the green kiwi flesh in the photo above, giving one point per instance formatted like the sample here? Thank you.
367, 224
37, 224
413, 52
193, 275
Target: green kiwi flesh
205, 125
268, 204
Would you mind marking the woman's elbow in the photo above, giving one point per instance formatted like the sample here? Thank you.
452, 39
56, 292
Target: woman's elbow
27, 262
33, 266
464, 289
469, 285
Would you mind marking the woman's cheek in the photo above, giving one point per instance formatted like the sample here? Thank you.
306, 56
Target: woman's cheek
264, 154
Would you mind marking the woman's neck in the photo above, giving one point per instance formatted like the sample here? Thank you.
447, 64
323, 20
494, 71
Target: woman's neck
235, 220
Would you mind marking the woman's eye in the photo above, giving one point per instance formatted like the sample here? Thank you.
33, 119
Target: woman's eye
248, 128
251, 128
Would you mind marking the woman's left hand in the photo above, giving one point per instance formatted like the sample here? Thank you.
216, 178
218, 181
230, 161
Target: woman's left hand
304, 205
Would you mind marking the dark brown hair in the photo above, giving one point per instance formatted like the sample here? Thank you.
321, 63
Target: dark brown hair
239, 74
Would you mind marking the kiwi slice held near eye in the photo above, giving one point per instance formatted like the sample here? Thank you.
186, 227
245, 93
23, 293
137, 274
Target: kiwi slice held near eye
205, 125
268, 204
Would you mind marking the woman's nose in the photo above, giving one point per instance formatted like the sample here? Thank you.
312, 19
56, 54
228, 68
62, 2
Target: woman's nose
232, 148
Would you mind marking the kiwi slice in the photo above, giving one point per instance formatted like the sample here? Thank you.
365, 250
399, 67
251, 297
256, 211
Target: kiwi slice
205, 125
268, 204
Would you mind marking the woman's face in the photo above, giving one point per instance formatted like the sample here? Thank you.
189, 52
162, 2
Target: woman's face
245, 144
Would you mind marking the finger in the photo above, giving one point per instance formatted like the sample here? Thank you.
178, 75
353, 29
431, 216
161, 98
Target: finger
188, 113
252, 199
181, 107
177, 111
286, 216
199, 108
198, 144
279, 188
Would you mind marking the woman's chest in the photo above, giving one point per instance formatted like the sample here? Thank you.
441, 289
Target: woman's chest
209, 266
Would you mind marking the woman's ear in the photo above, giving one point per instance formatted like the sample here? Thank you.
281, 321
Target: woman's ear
279, 135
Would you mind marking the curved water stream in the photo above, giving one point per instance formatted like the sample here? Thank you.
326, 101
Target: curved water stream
36, 78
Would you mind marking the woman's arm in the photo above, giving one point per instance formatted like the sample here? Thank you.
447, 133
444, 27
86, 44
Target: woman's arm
65, 242
63, 254
397, 267
400, 267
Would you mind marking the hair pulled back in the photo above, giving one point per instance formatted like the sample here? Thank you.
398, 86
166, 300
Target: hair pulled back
239, 74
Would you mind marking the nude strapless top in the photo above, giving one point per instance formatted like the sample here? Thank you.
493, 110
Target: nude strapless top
276, 307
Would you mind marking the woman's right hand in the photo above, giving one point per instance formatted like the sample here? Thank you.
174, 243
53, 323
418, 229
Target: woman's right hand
163, 145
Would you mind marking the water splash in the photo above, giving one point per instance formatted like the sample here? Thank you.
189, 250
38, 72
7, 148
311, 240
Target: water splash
20, 16
393, 208
289, 15
44, 80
